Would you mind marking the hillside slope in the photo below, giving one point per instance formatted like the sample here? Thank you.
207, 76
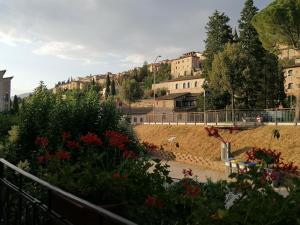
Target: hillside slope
194, 140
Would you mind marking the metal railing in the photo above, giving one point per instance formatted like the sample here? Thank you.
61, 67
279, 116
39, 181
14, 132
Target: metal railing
26, 199
276, 116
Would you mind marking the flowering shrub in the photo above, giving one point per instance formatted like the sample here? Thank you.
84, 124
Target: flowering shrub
214, 132
91, 139
270, 158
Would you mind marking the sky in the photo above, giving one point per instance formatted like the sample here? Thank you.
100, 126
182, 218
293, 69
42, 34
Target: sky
52, 40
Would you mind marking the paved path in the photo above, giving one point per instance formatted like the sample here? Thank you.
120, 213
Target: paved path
177, 167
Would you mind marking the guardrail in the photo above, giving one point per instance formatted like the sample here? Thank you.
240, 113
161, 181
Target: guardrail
274, 116
26, 199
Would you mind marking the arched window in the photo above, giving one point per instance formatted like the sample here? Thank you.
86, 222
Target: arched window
290, 72
183, 85
176, 86
188, 85
290, 85
196, 84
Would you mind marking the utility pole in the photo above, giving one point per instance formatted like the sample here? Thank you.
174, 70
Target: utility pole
154, 73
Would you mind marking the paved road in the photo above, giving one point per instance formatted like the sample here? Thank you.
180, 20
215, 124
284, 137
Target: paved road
177, 167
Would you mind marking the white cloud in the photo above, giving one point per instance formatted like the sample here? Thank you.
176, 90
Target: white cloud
12, 38
67, 50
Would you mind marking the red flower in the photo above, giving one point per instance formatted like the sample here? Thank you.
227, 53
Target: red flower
152, 201
187, 173
191, 190
91, 139
117, 139
44, 158
150, 147
117, 175
63, 155
129, 154
73, 145
41, 142
213, 132
66, 135
40, 159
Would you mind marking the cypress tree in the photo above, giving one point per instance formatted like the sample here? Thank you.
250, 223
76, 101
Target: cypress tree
113, 88
219, 33
107, 85
15, 104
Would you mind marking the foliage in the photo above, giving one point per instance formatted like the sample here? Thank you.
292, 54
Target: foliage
15, 105
131, 91
219, 33
113, 88
278, 24
228, 69
107, 86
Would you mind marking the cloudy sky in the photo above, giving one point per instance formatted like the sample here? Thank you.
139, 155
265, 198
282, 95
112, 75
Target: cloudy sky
52, 40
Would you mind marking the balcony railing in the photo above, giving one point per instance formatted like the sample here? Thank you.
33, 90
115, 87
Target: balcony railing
26, 199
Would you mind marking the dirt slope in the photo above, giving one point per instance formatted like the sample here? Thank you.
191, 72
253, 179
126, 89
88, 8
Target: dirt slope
195, 141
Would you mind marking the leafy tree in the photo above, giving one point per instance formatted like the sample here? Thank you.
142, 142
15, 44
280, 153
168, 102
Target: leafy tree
219, 33
279, 23
261, 74
143, 73
15, 104
113, 88
131, 90
107, 86
228, 70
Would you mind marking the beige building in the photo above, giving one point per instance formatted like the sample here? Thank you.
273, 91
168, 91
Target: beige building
155, 66
291, 72
292, 80
5, 89
177, 102
191, 84
188, 64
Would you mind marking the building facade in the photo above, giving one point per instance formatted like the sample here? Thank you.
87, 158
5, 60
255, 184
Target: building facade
188, 64
291, 72
191, 84
292, 80
5, 91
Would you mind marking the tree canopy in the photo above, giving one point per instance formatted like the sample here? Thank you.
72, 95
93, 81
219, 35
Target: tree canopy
279, 23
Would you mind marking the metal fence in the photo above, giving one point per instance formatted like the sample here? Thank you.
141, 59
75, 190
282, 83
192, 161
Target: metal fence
26, 199
222, 116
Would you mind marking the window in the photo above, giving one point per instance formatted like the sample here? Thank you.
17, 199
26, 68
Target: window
290, 72
183, 85
196, 83
134, 119
141, 119
176, 86
290, 85
188, 85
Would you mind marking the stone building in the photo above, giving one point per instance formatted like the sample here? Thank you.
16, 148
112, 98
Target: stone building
155, 66
291, 71
5, 89
191, 84
188, 64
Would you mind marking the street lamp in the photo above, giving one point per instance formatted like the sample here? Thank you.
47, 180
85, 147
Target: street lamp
154, 73
204, 103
